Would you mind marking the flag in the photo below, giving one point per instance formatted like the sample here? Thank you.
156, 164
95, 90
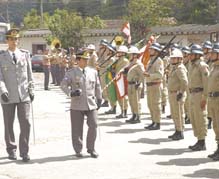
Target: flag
145, 54
126, 30
111, 90
121, 85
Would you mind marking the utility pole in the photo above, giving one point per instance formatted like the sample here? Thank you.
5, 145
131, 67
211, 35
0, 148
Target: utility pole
41, 14
7, 13
217, 18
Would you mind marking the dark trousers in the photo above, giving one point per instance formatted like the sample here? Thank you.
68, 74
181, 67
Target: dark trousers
23, 113
53, 72
77, 122
46, 70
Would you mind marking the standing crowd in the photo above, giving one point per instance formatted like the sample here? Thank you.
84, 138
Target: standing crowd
115, 74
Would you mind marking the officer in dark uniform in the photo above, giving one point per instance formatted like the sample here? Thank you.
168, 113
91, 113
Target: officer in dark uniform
86, 98
16, 91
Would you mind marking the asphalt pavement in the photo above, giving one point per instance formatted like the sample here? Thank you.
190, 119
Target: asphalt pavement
127, 151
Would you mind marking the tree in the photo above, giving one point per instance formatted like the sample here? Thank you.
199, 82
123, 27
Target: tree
142, 14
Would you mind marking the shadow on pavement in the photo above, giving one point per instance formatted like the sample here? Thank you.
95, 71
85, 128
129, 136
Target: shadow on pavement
172, 129
46, 160
186, 162
167, 151
204, 173
112, 124
151, 141
126, 131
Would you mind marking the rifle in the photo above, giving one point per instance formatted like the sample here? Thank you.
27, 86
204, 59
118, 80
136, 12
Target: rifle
108, 67
101, 64
159, 54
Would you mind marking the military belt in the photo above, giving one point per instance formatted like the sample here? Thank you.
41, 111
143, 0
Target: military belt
132, 82
152, 83
173, 91
195, 90
213, 94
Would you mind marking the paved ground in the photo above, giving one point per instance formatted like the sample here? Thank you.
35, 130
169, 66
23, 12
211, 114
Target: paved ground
126, 151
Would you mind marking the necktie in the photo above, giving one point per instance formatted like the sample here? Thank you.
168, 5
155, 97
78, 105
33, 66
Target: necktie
14, 58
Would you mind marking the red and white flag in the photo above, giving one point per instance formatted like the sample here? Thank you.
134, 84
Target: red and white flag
126, 30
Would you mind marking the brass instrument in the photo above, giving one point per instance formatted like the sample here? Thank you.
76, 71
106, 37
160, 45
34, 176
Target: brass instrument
56, 44
118, 40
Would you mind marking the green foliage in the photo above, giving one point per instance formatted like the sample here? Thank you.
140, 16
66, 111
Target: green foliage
142, 14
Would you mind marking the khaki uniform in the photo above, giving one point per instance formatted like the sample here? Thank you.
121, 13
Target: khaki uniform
121, 63
213, 100
154, 88
177, 83
186, 105
198, 76
102, 70
135, 77
164, 93
46, 69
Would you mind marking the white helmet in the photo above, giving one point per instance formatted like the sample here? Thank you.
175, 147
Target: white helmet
91, 47
176, 53
122, 48
133, 50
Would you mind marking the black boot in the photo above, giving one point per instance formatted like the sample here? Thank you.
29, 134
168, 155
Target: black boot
171, 136
123, 114
209, 122
136, 119
147, 127
105, 104
215, 153
155, 126
200, 146
178, 136
163, 109
131, 119
216, 156
111, 111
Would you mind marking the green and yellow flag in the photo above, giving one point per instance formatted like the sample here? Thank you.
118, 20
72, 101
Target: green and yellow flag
111, 90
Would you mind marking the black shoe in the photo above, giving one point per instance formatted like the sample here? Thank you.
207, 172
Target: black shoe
111, 111
105, 104
216, 157
200, 146
147, 127
131, 119
155, 126
79, 155
214, 154
46, 89
169, 116
178, 136
187, 121
12, 156
25, 158
93, 153
171, 136
193, 146
136, 119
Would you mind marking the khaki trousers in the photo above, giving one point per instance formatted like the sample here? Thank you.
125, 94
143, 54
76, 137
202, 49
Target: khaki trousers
154, 102
177, 111
214, 109
198, 116
134, 99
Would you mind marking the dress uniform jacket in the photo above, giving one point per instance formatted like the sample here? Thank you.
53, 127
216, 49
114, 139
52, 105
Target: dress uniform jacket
88, 83
16, 75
